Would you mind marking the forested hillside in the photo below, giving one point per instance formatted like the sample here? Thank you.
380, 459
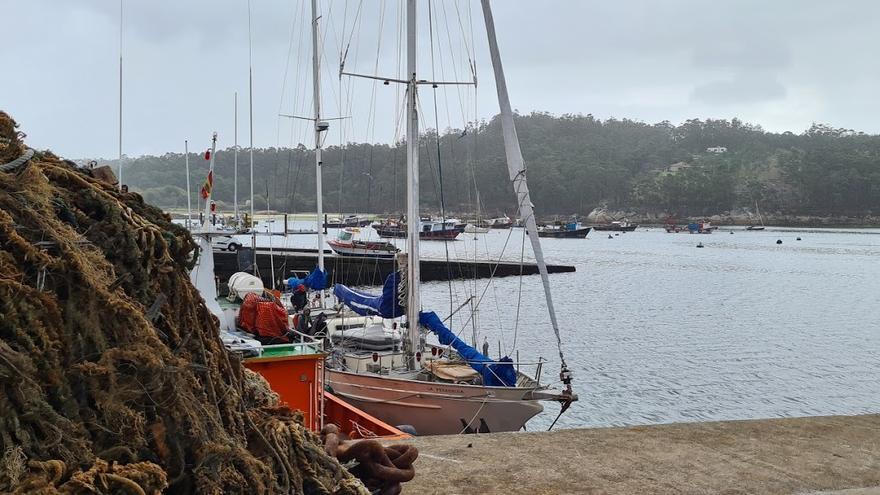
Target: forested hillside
575, 163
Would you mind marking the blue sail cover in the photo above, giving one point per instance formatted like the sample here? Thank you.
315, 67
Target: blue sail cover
494, 375
317, 280
385, 304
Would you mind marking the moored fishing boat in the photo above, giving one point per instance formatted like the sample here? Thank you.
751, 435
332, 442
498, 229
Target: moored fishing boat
429, 230
346, 245
568, 230
503, 222
346, 222
294, 370
616, 226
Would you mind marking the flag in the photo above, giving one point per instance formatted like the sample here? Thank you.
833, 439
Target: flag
209, 183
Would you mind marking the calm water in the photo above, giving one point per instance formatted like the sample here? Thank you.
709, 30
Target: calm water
656, 330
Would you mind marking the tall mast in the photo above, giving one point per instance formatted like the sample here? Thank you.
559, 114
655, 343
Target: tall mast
206, 221
412, 189
120, 95
319, 127
251, 150
235, 161
188, 192
517, 170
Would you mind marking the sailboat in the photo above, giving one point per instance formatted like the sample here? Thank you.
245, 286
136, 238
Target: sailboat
760, 218
477, 226
448, 388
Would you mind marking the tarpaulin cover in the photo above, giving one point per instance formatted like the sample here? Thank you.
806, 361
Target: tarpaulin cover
494, 375
263, 317
385, 304
317, 280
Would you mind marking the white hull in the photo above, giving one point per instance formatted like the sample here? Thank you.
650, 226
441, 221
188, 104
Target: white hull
436, 408
473, 229
349, 250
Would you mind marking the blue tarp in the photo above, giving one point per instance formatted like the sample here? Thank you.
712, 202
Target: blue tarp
494, 375
317, 280
385, 304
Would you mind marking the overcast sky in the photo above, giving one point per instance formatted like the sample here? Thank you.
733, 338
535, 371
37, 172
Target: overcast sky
780, 64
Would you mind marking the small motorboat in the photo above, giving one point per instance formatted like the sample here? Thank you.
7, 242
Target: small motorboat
346, 245
345, 222
617, 226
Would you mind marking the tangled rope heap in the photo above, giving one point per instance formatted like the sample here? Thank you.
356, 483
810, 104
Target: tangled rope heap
380, 468
113, 378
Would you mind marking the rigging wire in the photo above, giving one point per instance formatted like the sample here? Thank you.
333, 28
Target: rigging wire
437, 141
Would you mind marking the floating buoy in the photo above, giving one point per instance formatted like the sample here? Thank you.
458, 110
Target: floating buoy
700, 245
731, 232
778, 241
616, 234
798, 238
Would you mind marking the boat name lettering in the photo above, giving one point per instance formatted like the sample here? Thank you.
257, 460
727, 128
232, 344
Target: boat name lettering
446, 390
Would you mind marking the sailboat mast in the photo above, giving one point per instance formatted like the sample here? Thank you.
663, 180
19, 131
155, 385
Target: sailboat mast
120, 95
412, 190
235, 160
251, 148
188, 193
206, 221
316, 94
517, 169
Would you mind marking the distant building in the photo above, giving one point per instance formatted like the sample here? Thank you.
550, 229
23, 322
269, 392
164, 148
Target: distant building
676, 167
716, 149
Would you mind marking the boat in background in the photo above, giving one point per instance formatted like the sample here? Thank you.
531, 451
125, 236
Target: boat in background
345, 244
616, 226
564, 230
429, 230
760, 218
475, 229
701, 227
503, 222
346, 221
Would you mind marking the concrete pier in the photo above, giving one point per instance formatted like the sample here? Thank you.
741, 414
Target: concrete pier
354, 270
837, 455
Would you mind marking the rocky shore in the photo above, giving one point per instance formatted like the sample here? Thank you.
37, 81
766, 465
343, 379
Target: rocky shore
734, 217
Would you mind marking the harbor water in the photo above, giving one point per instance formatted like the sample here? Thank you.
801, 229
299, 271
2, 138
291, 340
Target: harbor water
658, 331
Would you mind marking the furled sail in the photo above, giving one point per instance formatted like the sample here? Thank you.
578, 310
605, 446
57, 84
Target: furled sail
385, 304
499, 374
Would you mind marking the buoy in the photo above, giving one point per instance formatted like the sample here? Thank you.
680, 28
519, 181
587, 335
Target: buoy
616, 234
731, 232
700, 245
778, 241
798, 238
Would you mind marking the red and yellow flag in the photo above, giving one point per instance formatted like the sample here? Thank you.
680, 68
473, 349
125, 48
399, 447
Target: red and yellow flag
209, 183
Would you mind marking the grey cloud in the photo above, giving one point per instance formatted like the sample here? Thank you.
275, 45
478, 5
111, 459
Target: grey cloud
741, 90
744, 53
642, 59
